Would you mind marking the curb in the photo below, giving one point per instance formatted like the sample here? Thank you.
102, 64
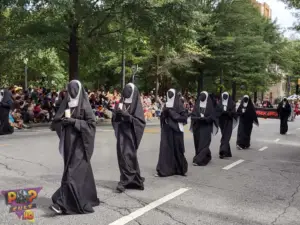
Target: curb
99, 124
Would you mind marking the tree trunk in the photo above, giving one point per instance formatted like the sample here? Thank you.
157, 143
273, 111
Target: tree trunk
233, 95
200, 82
157, 76
123, 68
255, 97
221, 82
73, 54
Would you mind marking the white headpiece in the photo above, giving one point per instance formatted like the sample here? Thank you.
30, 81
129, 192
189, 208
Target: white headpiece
245, 104
204, 103
129, 100
225, 102
75, 101
170, 101
1, 95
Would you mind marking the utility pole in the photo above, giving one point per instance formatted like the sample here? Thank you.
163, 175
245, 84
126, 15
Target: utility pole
26, 68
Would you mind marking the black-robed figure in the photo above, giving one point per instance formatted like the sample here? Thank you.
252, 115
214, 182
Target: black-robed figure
284, 110
171, 159
203, 125
76, 127
226, 114
247, 116
129, 123
5, 103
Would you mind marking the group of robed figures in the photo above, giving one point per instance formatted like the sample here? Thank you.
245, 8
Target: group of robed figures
75, 125
206, 119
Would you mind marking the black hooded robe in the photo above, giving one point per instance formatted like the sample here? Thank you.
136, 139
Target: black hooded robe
171, 159
284, 113
129, 129
227, 122
5, 104
203, 128
247, 116
77, 193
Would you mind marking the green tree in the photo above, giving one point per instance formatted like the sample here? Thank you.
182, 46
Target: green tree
242, 49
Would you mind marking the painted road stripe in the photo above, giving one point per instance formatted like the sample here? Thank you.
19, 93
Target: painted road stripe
233, 164
277, 140
298, 129
263, 148
147, 208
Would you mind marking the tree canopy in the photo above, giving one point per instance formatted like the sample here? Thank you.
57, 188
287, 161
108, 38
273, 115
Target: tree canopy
188, 44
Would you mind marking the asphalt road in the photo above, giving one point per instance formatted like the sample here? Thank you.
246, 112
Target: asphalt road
262, 189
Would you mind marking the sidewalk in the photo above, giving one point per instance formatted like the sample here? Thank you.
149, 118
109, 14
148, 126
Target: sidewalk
153, 122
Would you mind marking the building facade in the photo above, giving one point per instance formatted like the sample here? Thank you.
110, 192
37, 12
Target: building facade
280, 89
264, 8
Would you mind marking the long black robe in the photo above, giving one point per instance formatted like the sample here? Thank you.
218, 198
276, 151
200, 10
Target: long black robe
203, 128
5, 105
247, 116
129, 134
77, 193
171, 159
284, 113
227, 122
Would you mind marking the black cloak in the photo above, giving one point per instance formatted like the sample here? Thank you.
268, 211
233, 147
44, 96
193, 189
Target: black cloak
129, 123
227, 117
77, 193
247, 116
171, 159
6, 101
203, 125
284, 111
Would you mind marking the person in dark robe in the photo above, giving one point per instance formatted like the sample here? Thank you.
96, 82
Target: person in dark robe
203, 125
129, 123
226, 114
284, 110
76, 127
247, 116
6, 101
171, 159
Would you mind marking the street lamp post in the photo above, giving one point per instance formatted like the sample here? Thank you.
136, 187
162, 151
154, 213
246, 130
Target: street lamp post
25, 62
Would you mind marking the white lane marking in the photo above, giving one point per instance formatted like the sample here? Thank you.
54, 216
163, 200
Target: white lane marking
233, 164
277, 140
263, 148
147, 208
298, 129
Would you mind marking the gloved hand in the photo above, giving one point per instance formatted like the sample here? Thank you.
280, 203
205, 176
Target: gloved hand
126, 116
209, 120
166, 112
68, 121
225, 113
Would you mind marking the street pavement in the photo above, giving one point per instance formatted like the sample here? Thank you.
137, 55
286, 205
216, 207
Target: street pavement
256, 186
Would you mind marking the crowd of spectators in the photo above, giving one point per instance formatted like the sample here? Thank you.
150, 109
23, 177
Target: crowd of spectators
39, 105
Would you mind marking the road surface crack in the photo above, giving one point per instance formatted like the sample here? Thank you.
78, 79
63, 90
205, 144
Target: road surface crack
119, 209
156, 209
20, 172
169, 215
288, 206
24, 160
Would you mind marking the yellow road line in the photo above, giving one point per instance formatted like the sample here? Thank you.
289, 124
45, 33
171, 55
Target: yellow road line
4, 145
